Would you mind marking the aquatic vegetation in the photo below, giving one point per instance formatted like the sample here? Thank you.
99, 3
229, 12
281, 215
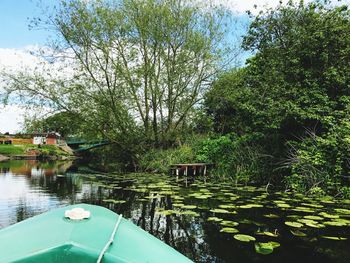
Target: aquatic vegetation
335, 238
188, 212
227, 206
293, 224
219, 211
326, 215
267, 233
335, 223
189, 206
265, 248
298, 233
244, 238
229, 223
250, 206
272, 216
165, 212
314, 217
113, 201
229, 230
214, 219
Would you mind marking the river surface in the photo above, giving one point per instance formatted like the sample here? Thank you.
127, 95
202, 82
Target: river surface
205, 220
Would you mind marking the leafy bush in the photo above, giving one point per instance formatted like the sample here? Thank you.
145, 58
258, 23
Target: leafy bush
234, 157
159, 160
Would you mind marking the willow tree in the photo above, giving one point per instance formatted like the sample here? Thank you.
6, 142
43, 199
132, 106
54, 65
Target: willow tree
139, 64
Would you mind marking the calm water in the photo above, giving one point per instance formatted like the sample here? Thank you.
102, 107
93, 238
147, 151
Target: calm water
192, 217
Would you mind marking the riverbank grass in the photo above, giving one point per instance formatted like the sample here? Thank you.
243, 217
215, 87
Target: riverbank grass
31, 149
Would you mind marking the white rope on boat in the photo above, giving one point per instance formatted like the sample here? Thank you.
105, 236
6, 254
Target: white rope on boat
110, 241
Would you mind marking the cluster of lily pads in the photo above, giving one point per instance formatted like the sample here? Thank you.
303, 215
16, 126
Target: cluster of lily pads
232, 208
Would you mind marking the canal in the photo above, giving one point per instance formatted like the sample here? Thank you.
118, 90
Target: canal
207, 221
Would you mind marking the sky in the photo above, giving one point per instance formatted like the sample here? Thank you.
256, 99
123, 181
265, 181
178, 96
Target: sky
17, 40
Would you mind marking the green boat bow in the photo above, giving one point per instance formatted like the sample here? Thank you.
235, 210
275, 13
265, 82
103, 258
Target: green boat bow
52, 237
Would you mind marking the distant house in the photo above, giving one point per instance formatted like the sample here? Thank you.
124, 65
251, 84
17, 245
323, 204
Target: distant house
51, 138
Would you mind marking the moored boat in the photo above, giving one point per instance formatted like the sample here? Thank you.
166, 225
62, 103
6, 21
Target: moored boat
89, 234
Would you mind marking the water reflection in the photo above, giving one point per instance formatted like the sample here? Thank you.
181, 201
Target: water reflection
174, 213
28, 188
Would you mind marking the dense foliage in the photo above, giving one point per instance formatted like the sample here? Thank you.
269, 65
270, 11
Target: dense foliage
293, 96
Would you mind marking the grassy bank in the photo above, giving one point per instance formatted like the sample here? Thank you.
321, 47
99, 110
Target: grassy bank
44, 151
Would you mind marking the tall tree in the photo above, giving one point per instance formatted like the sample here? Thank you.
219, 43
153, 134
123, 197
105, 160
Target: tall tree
141, 65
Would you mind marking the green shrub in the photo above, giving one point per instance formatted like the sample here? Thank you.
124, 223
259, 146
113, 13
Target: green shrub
159, 160
234, 157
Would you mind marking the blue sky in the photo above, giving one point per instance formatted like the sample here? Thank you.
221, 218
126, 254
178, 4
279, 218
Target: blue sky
14, 20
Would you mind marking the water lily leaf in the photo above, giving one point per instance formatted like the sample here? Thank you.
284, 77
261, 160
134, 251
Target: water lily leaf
335, 223
270, 234
335, 238
267, 233
166, 212
188, 212
303, 209
142, 200
312, 205
263, 248
178, 205
229, 230
220, 211
189, 206
342, 211
250, 206
202, 196
275, 244
271, 216
244, 238
293, 224
314, 217
113, 201
214, 219
314, 225
279, 202
298, 233
229, 223
227, 206
281, 205
326, 215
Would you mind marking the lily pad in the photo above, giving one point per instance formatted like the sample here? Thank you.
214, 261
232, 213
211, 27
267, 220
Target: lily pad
165, 212
298, 233
335, 238
314, 217
293, 224
335, 223
229, 223
342, 211
220, 211
189, 206
282, 205
326, 215
271, 216
188, 212
231, 230
214, 219
227, 206
263, 248
244, 238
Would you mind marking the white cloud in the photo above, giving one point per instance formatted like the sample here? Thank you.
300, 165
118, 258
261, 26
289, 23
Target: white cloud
11, 118
25, 60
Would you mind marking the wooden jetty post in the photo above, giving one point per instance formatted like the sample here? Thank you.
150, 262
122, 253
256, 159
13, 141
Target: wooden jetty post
195, 169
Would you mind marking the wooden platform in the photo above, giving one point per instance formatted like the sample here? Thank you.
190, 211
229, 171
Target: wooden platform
190, 169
